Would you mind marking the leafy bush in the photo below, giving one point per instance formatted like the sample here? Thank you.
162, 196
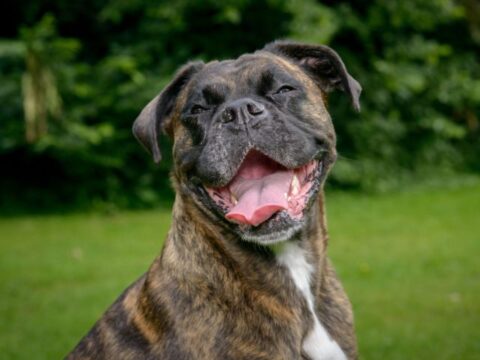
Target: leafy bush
417, 62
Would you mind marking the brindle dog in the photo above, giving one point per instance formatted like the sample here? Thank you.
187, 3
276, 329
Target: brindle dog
243, 273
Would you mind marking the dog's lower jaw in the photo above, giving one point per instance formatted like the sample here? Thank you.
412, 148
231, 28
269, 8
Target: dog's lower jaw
273, 238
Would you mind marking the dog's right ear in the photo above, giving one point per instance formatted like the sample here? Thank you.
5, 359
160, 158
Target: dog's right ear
155, 115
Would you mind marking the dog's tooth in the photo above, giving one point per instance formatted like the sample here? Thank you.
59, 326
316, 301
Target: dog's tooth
233, 199
295, 185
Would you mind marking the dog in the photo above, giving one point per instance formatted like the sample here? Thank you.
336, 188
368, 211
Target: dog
243, 273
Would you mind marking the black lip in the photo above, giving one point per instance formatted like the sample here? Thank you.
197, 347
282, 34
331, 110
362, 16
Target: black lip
320, 155
278, 222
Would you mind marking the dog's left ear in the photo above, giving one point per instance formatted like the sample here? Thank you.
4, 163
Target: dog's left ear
323, 64
155, 115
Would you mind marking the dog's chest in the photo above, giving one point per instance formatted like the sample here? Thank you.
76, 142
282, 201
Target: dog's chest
317, 345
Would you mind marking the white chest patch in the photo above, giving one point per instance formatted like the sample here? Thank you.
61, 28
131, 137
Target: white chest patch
317, 345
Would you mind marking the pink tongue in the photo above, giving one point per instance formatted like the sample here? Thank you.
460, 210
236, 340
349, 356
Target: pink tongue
261, 188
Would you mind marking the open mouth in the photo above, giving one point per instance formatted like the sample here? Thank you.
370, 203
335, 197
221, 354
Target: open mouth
262, 188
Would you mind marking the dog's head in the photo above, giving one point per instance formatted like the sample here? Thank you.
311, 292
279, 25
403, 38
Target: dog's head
253, 140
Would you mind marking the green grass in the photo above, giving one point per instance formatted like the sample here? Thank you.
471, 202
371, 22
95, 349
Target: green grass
409, 261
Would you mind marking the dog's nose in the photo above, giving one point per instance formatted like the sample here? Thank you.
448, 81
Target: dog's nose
244, 110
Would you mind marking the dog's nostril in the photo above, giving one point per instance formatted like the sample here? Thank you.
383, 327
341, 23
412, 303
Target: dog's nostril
228, 115
255, 109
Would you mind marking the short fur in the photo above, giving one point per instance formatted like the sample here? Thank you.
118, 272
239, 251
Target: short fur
216, 291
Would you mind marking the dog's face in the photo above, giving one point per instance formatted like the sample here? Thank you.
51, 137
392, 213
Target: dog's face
253, 140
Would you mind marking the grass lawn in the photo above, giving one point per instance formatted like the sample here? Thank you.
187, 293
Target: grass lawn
409, 261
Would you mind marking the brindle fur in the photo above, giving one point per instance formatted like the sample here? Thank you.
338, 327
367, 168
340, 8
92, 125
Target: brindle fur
210, 295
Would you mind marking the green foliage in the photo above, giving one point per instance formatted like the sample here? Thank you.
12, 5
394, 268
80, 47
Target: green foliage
420, 78
94, 65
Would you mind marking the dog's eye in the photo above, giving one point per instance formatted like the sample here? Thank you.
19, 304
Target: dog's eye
197, 109
284, 89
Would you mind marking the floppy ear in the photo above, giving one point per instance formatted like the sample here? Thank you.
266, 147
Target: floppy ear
323, 64
151, 120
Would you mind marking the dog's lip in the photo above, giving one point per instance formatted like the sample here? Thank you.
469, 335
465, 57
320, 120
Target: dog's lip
319, 156
309, 196
313, 169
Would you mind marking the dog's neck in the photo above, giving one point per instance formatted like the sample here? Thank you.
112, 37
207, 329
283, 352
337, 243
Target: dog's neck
203, 265
199, 245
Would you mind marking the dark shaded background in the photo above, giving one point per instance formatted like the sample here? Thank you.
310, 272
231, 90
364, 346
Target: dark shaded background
74, 75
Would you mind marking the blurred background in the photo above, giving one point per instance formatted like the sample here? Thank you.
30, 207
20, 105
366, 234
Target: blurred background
83, 209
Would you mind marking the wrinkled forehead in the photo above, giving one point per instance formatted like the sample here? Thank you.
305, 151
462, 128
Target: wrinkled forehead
247, 72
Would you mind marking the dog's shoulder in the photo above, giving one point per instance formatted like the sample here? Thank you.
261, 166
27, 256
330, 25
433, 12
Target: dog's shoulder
118, 331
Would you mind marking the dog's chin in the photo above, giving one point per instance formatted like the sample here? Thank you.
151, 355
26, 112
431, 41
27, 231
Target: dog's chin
290, 194
280, 228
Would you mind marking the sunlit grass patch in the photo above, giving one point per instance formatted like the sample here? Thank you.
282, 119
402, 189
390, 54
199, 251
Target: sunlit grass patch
409, 262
